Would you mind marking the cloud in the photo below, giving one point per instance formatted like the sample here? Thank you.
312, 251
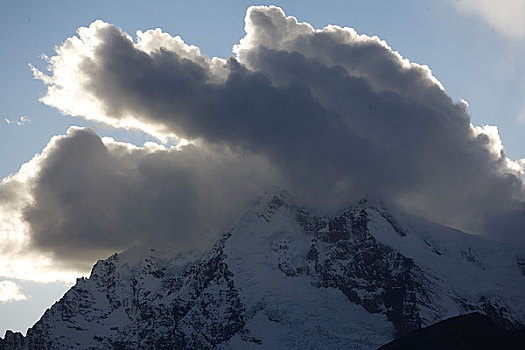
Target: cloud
328, 114
521, 115
9, 291
20, 121
85, 197
505, 16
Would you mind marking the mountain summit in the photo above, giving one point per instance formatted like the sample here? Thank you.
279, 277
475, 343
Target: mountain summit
286, 278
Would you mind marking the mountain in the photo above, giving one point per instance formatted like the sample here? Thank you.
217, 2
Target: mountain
284, 277
470, 331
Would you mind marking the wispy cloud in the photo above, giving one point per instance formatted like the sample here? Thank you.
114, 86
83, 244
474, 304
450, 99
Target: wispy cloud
9, 291
505, 16
20, 121
521, 115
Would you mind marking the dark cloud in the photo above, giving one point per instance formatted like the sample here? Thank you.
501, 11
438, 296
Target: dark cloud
92, 199
335, 114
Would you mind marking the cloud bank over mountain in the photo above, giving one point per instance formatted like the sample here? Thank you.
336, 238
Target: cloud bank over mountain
328, 114
86, 197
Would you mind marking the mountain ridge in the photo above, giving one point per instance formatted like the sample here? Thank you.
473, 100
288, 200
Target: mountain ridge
284, 277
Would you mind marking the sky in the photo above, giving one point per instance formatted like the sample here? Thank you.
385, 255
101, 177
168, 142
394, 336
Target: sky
472, 49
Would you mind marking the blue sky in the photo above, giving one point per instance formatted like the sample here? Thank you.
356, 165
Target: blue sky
474, 57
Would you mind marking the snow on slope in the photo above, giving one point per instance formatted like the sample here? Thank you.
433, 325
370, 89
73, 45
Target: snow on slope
467, 267
284, 278
286, 310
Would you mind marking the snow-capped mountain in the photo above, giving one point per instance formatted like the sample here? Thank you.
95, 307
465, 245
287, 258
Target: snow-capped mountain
286, 278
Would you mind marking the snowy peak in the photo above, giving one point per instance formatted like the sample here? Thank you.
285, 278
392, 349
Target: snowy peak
413, 271
340, 253
286, 278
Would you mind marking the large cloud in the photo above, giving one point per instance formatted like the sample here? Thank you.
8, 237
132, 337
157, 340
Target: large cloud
85, 197
329, 114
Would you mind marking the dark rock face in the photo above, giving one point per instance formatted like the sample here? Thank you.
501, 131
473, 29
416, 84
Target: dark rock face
194, 301
347, 257
471, 331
